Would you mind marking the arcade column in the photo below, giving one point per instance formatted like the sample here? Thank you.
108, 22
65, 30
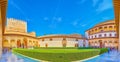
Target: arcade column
3, 5
117, 19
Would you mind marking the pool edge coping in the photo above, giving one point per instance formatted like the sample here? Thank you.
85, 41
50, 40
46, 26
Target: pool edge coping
86, 59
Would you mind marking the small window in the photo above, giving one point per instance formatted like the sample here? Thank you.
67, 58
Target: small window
110, 26
115, 41
105, 27
64, 39
110, 41
92, 36
114, 26
92, 30
43, 40
76, 39
95, 29
100, 35
100, 27
95, 36
110, 35
115, 35
102, 31
50, 39
105, 35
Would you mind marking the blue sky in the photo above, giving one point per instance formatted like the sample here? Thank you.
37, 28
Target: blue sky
60, 16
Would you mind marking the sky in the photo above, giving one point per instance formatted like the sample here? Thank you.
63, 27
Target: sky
60, 16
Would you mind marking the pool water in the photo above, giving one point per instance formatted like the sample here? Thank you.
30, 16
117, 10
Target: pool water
113, 56
12, 57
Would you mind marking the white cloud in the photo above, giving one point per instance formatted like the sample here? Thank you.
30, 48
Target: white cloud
105, 5
81, 2
83, 25
95, 2
57, 19
75, 23
45, 18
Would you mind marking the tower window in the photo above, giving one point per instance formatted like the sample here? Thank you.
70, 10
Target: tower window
43, 40
50, 39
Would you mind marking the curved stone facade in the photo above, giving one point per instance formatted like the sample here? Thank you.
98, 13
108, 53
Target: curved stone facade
103, 35
73, 40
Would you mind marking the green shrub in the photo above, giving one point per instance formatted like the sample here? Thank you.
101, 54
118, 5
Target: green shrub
85, 48
103, 50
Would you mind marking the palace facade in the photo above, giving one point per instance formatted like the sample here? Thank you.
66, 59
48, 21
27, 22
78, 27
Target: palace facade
16, 36
73, 40
103, 35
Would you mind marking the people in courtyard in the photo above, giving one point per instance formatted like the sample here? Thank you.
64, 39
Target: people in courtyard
108, 50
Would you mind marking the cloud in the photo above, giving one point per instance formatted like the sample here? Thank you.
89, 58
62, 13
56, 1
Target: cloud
57, 19
75, 23
81, 2
45, 18
83, 25
95, 2
105, 5
55, 22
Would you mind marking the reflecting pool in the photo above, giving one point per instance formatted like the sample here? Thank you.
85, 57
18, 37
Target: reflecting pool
112, 56
12, 57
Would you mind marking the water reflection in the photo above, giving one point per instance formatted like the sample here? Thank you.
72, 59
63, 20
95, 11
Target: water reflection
112, 56
9, 57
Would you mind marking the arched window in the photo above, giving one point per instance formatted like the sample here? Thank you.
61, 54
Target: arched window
105, 42
104, 35
92, 30
89, 32
76, 39
110, 41
115, 42
100, 27
100, 35
95, 36
105, 27
115, 35
96, 29
64, 38
89, 37
110, 26
114, 26
42, 40
50, 39
110, 35
92, 37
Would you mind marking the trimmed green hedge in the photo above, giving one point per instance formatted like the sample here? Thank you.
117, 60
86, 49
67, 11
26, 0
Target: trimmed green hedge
103, 50
55, 47
86, 48
58, 57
